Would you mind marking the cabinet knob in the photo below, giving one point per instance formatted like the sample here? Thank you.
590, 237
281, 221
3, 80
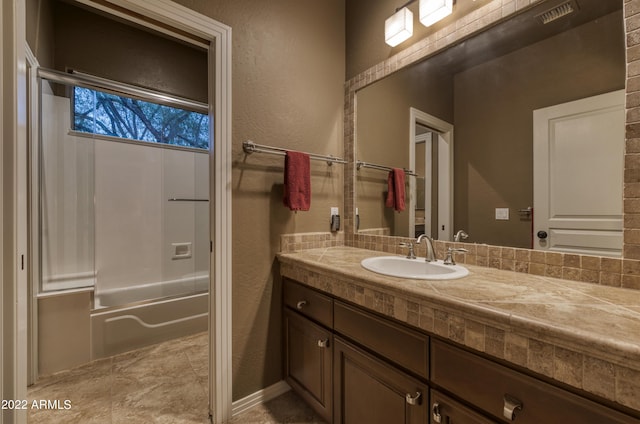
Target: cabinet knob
511, 405
435, 411
323, 343
301, 304
413, 399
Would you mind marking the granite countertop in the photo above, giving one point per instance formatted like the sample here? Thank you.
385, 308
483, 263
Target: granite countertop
591, 322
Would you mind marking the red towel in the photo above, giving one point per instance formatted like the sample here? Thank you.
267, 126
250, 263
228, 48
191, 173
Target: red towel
396, 193
297, 181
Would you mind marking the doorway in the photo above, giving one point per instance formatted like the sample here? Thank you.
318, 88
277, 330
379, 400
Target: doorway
190, 26
431, 193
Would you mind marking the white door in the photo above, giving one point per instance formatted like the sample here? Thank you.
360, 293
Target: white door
578, 159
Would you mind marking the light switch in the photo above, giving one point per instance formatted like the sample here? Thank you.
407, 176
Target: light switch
502, 214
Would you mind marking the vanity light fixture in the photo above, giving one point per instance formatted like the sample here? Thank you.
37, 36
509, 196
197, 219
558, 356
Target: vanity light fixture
431, 11
398, 27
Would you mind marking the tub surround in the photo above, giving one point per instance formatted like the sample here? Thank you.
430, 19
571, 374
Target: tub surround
582, 335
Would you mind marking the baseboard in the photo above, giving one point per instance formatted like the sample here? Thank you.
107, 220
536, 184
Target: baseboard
259, 397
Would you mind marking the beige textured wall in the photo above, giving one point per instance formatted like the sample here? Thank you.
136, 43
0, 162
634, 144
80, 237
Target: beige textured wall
63, 36
93, 44
288, 79
39, 27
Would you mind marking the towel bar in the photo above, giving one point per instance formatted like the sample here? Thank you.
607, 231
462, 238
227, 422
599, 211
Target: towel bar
251, 147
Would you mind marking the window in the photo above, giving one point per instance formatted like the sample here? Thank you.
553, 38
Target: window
99, 112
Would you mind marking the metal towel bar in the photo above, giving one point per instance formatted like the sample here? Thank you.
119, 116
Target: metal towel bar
251, 147
361, 164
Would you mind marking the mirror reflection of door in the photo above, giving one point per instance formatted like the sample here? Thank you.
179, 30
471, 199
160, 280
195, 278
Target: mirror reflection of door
578, 175
423, 146
431, 158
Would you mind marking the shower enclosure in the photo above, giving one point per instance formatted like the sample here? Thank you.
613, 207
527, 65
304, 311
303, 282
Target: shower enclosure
123, 208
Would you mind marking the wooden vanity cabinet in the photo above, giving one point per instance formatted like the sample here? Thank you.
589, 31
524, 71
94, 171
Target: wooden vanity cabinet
368, 390
354, 366
308, 347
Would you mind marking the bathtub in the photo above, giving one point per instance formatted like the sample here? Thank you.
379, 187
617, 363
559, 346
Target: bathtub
125, 319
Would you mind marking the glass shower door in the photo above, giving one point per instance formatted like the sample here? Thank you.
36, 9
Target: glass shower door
66, 210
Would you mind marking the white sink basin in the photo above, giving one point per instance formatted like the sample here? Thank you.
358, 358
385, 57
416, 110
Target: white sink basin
398, 266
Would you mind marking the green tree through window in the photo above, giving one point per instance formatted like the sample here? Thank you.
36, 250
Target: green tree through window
97, 112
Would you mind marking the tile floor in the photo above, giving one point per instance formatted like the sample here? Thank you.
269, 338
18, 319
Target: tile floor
287, 408
164, 383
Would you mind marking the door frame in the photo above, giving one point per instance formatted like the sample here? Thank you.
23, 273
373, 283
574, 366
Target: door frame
146, 13
445, 164
13, 209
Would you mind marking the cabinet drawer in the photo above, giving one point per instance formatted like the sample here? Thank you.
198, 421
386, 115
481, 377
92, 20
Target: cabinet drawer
405, 347
496, 389
308, 302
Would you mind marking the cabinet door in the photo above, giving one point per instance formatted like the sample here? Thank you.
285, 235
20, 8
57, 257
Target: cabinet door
308, 356
445, 410
367, 390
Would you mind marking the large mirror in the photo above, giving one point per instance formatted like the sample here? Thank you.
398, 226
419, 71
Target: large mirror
465, 122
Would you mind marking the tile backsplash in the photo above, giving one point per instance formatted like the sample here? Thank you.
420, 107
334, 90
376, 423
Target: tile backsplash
614, 272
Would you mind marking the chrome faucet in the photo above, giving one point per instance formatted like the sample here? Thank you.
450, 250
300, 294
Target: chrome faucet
449, 260
431, 252
460, 235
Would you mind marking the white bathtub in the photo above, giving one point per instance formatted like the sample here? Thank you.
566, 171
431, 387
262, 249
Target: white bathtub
126, 296
130, 318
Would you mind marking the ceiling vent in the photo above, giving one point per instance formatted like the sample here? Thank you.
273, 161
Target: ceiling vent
558, 12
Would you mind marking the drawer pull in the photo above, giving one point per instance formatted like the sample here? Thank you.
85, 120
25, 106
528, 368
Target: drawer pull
301, 304
435, 411
323, 343
413, 400
511, 405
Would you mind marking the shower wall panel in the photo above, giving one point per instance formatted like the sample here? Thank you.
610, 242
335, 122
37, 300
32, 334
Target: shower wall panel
143, 237
128, 214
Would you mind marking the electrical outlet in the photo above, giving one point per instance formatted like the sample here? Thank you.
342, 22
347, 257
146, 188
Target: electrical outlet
335, 219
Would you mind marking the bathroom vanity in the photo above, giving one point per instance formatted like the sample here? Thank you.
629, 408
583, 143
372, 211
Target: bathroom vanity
492, 347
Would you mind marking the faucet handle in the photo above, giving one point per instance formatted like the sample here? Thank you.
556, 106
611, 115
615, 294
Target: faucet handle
449, 260
460, 235
411, 254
